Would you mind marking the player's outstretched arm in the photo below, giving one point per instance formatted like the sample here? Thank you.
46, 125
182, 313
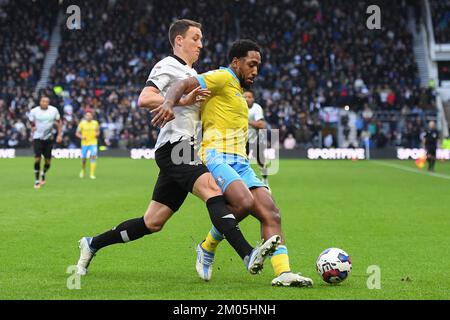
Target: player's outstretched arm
164, 113
150, 98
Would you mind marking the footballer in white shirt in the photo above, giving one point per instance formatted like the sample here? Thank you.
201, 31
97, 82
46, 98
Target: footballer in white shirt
256, 122
43, 118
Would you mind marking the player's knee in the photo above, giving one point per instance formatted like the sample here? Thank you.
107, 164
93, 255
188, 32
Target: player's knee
213, 188
244, 204
247, 203
275, 217
271, 215
153, 225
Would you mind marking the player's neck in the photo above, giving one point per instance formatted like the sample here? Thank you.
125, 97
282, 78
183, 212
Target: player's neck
235, 73
182, 57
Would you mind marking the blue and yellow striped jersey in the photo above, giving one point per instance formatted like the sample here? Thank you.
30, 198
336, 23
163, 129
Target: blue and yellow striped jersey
88, 131
224, 114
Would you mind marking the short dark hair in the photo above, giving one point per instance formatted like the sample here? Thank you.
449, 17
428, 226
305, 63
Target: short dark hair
250, 90
240, 49
180, 27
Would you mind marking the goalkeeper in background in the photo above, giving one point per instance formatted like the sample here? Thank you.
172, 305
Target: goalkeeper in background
88, 131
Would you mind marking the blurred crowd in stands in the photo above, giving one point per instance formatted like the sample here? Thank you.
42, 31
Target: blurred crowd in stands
440, 12
316, 54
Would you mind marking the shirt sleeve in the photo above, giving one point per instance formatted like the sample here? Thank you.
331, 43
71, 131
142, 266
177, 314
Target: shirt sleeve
31, 116
213, 80
159, 77
259, 114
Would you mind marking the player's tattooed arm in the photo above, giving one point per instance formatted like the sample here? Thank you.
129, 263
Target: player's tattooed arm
193, 93
151, 98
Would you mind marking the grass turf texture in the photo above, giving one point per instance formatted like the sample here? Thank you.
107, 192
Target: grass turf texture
380, 215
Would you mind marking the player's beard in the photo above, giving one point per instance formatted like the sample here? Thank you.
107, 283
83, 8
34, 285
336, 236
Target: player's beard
244, 85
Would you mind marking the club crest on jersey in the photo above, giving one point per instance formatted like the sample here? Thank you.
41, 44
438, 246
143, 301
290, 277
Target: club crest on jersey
220, 181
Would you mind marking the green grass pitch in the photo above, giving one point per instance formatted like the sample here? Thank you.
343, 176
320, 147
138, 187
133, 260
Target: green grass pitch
378, 212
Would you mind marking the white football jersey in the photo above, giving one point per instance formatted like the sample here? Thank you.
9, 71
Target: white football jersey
163, 75
255, 113
44, 121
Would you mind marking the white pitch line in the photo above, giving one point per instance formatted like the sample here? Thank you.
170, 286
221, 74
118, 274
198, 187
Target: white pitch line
433, 174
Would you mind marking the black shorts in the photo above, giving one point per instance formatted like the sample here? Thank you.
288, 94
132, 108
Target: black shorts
43, 148
175, 180
431, 151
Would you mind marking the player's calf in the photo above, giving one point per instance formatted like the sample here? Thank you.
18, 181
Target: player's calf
126, 231
37, 169
225, 222
44, 172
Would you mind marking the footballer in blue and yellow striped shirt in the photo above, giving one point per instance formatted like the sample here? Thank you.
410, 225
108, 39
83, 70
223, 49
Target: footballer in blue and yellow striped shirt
224, 116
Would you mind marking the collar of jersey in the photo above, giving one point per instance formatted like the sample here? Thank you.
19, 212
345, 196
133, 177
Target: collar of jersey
230, 71
178, 59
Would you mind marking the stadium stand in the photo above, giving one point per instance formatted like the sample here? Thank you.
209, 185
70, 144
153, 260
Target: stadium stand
25, 29
315, 55
440, 11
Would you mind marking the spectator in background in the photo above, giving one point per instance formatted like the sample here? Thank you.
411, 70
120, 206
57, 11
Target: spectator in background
289, 142
328, 141
440, 10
